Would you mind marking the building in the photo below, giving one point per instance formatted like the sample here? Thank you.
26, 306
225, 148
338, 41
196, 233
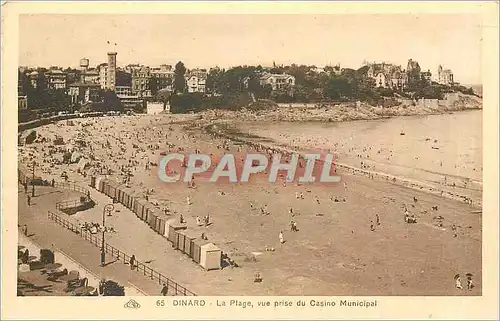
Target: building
164, 77
196, 80
84, 64
413, 71
335, 70
82, 93
387, 76
90, 76
22, 102
427, 76
123, 91
103, 75
445, 76
277, 81
111, 72
140, 81
34, 79
56, 79
134, 103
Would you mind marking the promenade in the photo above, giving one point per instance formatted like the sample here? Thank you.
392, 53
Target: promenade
47, 234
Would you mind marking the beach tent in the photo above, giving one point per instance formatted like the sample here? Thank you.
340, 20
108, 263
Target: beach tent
75, 157
210, 257
82, 164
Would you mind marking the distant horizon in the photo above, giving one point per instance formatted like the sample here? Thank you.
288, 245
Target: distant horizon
205, 41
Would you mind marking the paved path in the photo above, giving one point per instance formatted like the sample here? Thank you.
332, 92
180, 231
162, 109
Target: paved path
47, 234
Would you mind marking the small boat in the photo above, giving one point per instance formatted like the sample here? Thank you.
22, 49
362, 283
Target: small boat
433, 147
402, 133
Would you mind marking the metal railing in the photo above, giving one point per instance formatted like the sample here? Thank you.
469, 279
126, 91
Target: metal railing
73, 204
72, 187
173, 287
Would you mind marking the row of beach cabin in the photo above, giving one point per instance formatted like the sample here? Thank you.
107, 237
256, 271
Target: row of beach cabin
204, 253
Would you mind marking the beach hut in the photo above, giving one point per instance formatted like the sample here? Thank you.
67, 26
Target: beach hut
125, 198
92, 181
119, 195
210, 258
147, 210
141, 204
130, 199
181, 240
133, 204
173, 232
168, 222
196, 245
160, 224
189, 237
112, 189
100, 184
151, 218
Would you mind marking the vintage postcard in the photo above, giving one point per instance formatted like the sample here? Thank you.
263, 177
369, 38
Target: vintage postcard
253, 160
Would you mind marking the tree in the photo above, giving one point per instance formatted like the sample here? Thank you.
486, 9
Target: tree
111, 101
164, 96
153, 86
338, 88
111, 288
179, 81
214, 80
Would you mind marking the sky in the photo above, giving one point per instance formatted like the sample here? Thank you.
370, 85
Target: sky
204, 41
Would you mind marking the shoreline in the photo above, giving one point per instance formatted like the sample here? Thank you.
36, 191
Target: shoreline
236, 135
346, 112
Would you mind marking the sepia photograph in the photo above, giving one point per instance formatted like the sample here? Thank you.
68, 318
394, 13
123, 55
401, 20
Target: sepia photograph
231, 155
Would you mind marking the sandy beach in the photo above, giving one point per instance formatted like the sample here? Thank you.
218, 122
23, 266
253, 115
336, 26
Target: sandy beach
339, 249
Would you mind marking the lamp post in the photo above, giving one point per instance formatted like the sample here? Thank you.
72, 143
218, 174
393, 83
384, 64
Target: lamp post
107, 209
33, 181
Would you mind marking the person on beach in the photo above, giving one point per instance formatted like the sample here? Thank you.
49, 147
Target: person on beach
188, 200
101, 286
25, 188
53, 183
29, 200
378, 219
25, 229
458, 282
470, 284
281, 238
132, 262
164, 290
198, 221
103, 257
